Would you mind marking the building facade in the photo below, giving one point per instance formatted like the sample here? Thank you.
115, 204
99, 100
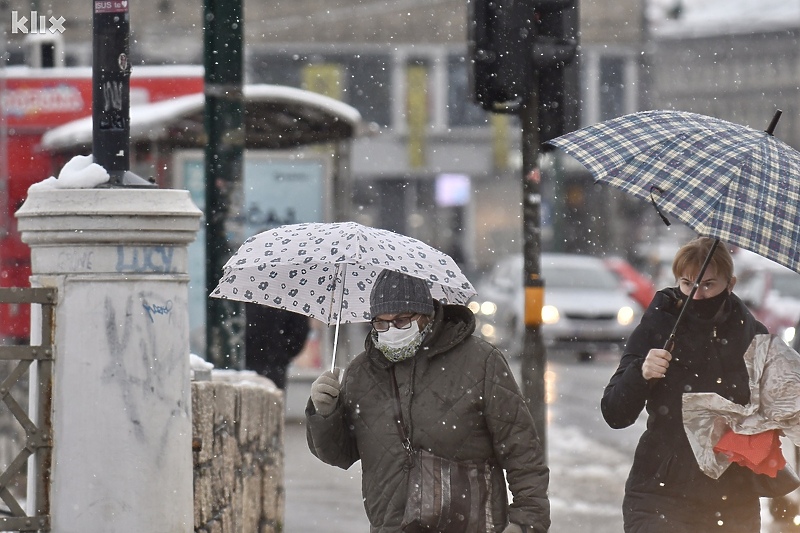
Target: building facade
437, 166
742, 74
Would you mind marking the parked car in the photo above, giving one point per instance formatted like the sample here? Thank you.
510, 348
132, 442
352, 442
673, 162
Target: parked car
772, 293
586, 310
638, 285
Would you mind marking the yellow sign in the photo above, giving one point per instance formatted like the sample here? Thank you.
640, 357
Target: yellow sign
417, 113
534, 299
324, 78
500, 140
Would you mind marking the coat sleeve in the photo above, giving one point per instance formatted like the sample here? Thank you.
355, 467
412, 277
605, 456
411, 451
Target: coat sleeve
328, 437
516, 446
626, 393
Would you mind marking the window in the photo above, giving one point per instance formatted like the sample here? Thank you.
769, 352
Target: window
461, 109
368, 87
612, 87
278, 69
365, 78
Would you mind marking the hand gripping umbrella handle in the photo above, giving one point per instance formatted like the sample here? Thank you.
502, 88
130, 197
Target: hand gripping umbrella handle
670, 344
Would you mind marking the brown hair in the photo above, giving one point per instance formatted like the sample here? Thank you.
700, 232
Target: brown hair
692, 255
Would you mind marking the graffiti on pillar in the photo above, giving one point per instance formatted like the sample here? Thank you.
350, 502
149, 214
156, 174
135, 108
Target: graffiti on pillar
154, 309
145, 259
119, 330
75, 261
145, 347
112, 95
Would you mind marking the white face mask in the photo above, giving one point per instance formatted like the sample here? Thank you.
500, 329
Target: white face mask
399, 338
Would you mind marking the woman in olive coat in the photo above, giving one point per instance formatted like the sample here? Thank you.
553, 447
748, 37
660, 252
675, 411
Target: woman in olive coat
459, 400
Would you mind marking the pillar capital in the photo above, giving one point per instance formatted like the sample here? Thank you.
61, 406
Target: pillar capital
118, 216
109, 231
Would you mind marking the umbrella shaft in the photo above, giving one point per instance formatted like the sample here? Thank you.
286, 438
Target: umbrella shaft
671, 340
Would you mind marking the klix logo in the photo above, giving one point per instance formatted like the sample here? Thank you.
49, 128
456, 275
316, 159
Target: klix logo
38, 23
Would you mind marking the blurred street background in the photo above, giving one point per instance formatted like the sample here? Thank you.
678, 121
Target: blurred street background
381, 126
419, 155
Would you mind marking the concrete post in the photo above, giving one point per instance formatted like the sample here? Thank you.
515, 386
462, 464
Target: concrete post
122, 428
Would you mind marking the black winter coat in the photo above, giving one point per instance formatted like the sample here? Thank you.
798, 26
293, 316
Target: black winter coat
273, 337
666, 491
461, 402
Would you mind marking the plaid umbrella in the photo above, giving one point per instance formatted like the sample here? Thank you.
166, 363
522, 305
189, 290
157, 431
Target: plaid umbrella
326, 270
723, 180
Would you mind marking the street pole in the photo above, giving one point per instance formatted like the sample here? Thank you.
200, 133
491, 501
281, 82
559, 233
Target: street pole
111, 102
533, 357
224, 114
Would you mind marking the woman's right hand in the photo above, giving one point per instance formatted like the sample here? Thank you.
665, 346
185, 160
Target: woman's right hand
656, 364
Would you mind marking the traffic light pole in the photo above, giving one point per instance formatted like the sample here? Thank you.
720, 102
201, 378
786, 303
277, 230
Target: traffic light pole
519, 51
224, 119
533, 357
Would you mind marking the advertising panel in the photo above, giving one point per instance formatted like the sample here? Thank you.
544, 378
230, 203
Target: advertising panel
279, 188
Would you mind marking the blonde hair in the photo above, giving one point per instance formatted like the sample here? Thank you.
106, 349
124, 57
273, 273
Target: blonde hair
692, 255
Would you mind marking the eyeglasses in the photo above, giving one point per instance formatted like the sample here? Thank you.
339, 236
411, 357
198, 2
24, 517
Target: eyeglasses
400, 322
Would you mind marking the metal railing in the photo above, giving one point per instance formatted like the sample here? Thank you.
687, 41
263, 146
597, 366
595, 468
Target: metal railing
37, 450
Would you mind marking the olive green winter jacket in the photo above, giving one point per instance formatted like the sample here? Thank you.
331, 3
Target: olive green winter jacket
461, 402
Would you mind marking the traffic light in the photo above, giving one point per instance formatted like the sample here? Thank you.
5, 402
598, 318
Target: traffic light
554, 51
500, 43
508, 39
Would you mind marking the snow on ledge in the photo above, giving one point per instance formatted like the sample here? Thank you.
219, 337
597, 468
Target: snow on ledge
80, 172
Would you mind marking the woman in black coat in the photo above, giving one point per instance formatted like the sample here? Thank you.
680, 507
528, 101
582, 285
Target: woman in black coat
666, 491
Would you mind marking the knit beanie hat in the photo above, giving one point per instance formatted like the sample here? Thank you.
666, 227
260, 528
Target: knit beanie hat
395, 292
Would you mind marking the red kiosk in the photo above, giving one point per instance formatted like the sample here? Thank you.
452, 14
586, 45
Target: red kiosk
33, 101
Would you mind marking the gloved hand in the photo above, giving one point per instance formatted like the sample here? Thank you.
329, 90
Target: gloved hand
512, 528
325, 392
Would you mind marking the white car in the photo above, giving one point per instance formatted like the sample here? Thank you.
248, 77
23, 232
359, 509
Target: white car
586, 309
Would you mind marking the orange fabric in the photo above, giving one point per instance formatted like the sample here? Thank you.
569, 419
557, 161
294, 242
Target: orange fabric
761, 452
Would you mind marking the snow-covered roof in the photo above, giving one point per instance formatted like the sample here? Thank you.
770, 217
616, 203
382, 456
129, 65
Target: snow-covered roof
279, 116
717, 17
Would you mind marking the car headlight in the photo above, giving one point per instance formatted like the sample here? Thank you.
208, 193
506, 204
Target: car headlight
474, 306
487, 330
488, 308
788, 335
625, 316
550, 314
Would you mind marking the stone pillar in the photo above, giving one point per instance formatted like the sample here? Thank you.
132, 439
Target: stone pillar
122, 428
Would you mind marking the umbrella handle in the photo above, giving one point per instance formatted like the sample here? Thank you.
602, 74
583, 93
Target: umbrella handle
335, 342
653, 201
670, 344
339, 314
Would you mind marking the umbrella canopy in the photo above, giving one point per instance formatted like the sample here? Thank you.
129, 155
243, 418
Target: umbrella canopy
723, 180
326, 270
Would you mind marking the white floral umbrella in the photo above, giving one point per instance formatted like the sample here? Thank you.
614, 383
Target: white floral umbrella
326, 270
